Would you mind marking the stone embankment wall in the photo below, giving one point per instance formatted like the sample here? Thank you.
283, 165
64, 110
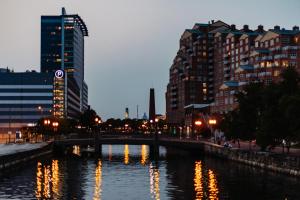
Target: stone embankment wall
276, 162
10, 161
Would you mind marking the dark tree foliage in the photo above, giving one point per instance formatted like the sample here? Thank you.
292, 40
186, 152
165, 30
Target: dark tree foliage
269, 114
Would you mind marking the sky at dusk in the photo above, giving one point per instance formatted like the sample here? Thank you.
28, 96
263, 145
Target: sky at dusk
131, 43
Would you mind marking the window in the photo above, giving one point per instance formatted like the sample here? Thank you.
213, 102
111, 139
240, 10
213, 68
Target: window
256, 44
272, 42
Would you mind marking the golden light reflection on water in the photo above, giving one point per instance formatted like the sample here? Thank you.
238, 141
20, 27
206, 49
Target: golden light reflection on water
47, 180
55, 177
198, 185
126, 154
76, 150
154, 182
98, 181
212, 186
39, 179
144, 155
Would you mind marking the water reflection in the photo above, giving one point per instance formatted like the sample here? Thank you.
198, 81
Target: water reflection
98, 181
212, 185
198, 185
47, 180
144, 155
55, 177
126, 154
154, 182
39, 178
170, 177
110, 152
76, 150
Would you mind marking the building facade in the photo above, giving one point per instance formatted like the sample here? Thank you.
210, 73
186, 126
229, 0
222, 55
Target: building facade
215, 61
62, 48
24, 98
191, 74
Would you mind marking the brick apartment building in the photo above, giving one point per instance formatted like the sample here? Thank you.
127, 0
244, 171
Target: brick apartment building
214, 62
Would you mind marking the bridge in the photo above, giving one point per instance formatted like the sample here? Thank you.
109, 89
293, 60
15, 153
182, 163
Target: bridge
151, 140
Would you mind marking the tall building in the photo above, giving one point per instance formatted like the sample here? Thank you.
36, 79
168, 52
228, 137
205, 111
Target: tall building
62, 48
255, 56
152, 105
191, 74
25, 97
216, 60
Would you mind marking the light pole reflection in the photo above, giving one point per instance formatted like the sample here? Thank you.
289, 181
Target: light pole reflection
144, 155
198, 185
110, 152
212, 186
55, 177
126, 154
98, 181
154, 182
39, 179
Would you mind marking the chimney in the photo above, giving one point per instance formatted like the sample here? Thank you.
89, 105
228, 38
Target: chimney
260, 28
246, 27
277, 27
232, 27
295, 28
212, 21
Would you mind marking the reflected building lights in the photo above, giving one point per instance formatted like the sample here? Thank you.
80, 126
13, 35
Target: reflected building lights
76, 150
39, 179
198, 180
154, 182
98, 181
47, 181
55, 177
126, 154
212, 185
144, 155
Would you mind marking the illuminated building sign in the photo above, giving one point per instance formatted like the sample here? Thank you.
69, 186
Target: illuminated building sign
59, 74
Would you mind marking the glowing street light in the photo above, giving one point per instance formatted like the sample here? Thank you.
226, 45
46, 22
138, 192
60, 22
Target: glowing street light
212, 121
198, 123
47, 122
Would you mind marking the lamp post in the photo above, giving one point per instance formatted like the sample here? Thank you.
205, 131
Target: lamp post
55, 126
47, 122
198, 123
212, 122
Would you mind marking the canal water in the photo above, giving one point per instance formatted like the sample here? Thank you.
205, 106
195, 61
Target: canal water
128, 172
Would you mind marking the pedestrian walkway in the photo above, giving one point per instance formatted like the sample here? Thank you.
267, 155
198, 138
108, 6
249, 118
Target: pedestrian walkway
6, 149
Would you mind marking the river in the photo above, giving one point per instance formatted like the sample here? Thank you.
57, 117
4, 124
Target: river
128, 172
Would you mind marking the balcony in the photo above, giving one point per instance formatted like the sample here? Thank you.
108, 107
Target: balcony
267, 58
290, 48
244, 62
279, 56
226, 62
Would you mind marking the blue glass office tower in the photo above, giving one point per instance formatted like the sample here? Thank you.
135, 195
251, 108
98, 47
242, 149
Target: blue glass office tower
62, 48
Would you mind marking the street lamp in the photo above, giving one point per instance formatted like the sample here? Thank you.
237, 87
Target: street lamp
198, 123
55, 125
211, 123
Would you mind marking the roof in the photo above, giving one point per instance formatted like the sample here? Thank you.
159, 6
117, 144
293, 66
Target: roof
195, 31
81, 24
228, 84
284, 31
197, 106
244, 68
201, 24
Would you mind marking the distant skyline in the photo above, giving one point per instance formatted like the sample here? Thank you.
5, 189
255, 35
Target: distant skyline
132, 43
